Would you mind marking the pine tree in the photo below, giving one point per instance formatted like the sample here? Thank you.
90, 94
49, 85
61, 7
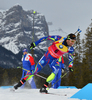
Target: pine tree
87, 60
5, 78
75, 77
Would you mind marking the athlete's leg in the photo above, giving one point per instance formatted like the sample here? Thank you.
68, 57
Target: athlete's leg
23, 74
32, 83
59, 78
53, 82
51, 77
21, 82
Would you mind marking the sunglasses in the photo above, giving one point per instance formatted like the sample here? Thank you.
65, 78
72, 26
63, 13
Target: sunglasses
72, 40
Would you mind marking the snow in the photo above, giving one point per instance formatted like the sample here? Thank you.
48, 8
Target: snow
2, 10
28, 32
30, 17
12, 30
17, 24
36, 27
40, 36
10, 13
4, 39
33, 94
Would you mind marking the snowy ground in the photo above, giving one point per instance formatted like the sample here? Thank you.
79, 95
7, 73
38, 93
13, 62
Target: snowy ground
33, 94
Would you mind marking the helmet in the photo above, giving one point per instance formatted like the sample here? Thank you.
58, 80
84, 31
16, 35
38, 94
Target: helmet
71, 36
25, 50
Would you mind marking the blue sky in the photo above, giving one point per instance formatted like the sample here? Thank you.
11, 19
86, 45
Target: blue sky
65, 14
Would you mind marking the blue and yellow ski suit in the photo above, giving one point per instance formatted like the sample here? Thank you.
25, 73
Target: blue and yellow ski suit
54, 52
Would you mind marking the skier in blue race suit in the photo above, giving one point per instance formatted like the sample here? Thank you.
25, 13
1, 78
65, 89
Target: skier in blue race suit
55, 52
57, 80
28, 65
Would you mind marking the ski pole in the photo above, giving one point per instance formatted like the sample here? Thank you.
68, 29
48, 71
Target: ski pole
78, 31
41, 76
29, 71
58, 80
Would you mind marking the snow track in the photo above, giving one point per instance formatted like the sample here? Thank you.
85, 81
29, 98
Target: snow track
33, 94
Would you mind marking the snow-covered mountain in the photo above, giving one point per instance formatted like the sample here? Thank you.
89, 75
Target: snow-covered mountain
9, 59
18, 28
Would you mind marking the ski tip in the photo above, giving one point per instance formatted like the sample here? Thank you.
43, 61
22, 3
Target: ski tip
12, 90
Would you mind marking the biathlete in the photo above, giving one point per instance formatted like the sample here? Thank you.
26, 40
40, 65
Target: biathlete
55, 52
27, 70
28, 65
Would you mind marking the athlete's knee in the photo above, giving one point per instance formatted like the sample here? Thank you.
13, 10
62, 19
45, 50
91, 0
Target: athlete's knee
50, 78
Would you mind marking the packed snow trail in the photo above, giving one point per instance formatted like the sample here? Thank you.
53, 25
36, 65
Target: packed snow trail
34, 94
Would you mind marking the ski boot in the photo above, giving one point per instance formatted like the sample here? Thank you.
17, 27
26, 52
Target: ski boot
43, 88
21, 82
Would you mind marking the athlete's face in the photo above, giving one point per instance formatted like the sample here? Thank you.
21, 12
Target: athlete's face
70, 42
24, 53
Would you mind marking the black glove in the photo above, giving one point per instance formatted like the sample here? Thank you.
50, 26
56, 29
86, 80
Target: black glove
70, 69
32, 45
